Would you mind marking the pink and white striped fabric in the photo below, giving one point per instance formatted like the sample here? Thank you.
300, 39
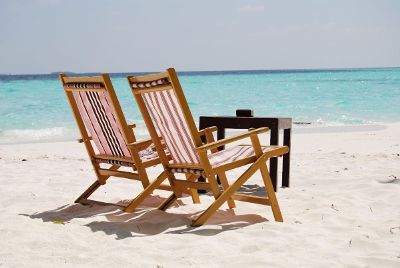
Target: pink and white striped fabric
233, 154
145, 155
229, 155
170, 123
99, 117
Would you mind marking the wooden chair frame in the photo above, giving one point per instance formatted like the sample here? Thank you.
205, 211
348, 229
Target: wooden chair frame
258, 161
103, 174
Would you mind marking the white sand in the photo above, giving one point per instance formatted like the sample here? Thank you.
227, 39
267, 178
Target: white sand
342, 210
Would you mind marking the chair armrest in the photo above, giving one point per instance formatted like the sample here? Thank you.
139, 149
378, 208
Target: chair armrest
141, 145
207, 133
222, 142
208, 129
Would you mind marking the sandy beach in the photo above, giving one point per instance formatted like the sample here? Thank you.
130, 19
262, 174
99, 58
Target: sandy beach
333, 67
342, 210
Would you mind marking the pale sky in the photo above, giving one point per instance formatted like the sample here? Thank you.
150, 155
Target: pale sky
42, 36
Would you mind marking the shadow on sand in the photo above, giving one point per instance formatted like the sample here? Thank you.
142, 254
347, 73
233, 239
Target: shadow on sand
146, 220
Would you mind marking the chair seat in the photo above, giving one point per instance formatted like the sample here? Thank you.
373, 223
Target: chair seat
145, 155
236, 153
228, 156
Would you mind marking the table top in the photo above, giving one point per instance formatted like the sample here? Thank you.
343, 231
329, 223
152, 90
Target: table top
247, 122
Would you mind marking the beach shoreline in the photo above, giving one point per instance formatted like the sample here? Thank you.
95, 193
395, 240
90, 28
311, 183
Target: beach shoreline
27, 136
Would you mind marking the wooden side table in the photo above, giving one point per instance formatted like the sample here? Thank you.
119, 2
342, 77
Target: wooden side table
248, 121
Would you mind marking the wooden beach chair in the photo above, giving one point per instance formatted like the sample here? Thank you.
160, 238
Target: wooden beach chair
166, 114
109, 140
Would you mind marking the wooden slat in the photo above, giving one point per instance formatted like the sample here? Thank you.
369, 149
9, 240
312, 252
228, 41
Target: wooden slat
251, 199
121, 174
152, 162
141, 145
165, 187
191, 184
83, 79
191, 166
277, 151
147, 78
209, 129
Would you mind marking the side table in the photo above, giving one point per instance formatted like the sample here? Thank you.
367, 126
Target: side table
248, 121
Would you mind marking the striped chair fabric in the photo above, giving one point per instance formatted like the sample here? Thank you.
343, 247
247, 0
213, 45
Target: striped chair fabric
115, 162
98, 115
232, 154
145, 155
226, 156
170, 123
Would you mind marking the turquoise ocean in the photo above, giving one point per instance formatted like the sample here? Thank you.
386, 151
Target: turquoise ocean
33, 108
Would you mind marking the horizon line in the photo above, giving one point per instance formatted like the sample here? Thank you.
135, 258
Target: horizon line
213, 71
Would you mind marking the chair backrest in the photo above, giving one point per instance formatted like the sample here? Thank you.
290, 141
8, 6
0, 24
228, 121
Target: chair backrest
98, 113
166, 113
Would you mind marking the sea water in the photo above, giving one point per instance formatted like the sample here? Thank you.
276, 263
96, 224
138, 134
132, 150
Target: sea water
33, 108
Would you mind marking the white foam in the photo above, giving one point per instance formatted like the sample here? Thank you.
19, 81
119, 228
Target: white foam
54, 134
12, 136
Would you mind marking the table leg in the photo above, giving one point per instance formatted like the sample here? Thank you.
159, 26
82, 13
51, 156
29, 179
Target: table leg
202, 125
286, 158
273, 162
220, 136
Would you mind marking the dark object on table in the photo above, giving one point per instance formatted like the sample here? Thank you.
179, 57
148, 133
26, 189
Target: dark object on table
244, 113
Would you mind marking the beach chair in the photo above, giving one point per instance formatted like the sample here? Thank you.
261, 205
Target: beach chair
166, 113
110, 142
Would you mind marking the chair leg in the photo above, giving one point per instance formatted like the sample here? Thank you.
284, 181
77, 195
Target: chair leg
168, 202
193, 192
143, 177
225, 185
227, 193
174, 196
269, 188
212, 180
100, 181
89, 191
145, 193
